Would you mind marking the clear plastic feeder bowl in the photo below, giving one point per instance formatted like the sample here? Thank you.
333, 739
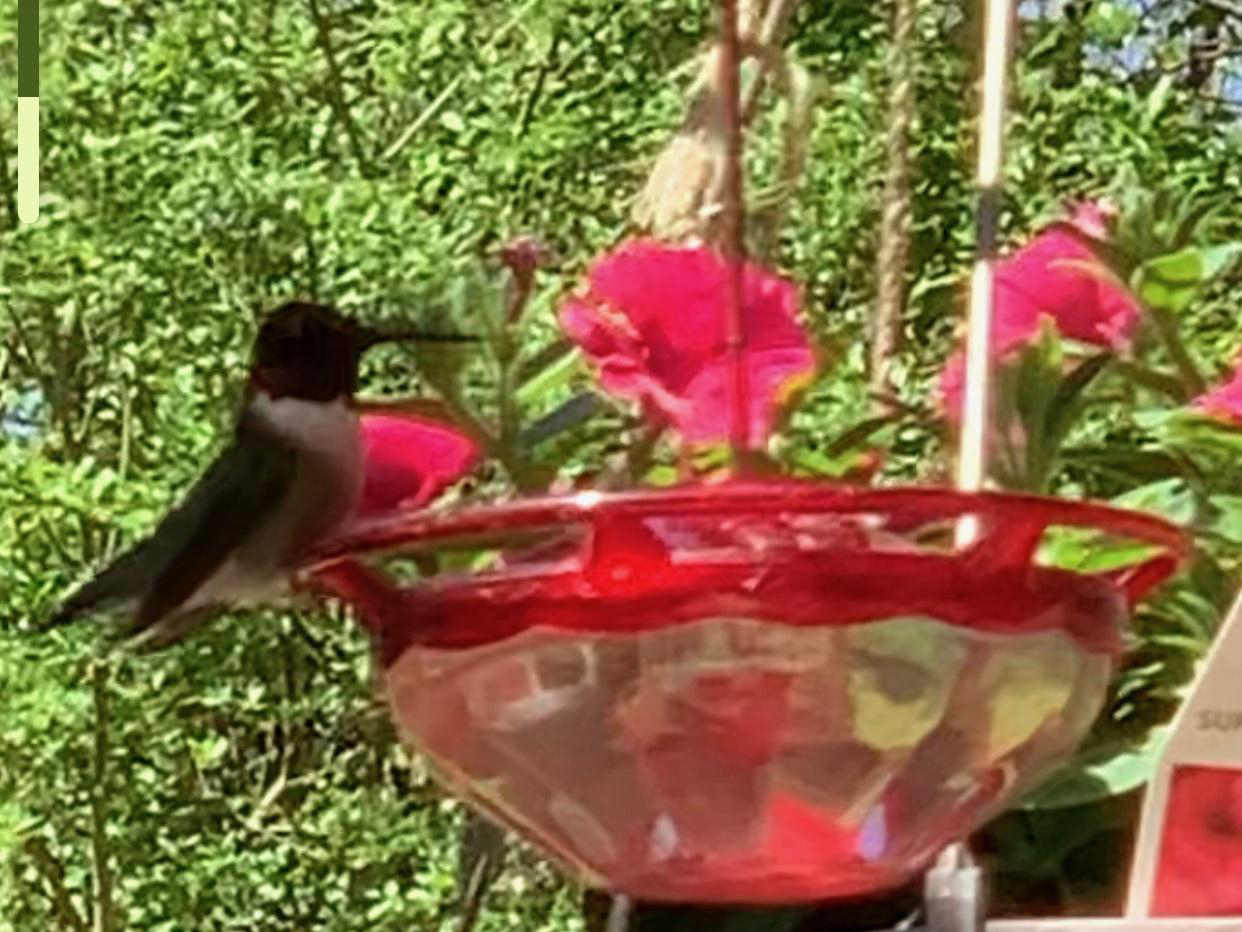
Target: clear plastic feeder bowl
752, 691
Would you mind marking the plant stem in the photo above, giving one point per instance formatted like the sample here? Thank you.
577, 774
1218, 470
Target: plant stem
1167, 385
733, 234
638, 455
775, 18
441, 99
53, 873
1192, 380
104, 915
537, 86
8, 190
336, 88
507, 408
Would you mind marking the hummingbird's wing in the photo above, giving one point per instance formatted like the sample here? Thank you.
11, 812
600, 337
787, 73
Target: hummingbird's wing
239, 490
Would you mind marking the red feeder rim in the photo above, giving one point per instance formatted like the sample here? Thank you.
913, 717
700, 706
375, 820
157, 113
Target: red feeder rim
621, 572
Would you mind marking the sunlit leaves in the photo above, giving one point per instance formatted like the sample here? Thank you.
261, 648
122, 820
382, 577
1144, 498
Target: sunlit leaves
1170, 282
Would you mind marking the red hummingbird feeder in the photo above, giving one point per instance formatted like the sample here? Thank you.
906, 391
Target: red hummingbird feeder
753, 690
749, 691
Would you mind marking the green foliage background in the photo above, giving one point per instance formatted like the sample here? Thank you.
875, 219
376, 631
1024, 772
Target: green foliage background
205, 159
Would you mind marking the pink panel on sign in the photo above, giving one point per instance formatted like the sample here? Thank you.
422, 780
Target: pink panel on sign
1200, 872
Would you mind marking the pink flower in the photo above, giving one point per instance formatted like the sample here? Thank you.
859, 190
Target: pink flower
522, 256
1095, 218
1055, 276
409, 460
653, 321
1201, 852
1224, 401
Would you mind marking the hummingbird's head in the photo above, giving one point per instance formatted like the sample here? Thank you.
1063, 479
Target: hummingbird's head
311, 351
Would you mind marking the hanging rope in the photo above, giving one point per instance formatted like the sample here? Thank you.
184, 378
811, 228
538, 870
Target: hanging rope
683, 196
893, 254
733, 238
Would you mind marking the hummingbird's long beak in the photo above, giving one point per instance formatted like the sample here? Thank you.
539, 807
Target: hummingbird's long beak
368, 337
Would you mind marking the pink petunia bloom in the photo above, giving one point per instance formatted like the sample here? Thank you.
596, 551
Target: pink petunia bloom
1223, 402
409, 460
1055, 276
653, 321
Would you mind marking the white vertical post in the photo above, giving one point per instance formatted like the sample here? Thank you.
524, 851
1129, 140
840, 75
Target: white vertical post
972, 463
954, 887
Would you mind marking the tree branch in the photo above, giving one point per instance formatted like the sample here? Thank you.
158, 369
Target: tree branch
53, 873
8, 191
537, 86
775, 18
1228, 7
733, 231
440, 99
336, 87
104, 912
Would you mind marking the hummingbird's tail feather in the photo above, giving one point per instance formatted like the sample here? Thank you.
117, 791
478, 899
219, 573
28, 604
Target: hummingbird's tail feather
142, 637
119, 583
67, 612
142, 634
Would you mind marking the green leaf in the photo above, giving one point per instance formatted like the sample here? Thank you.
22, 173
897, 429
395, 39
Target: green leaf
1088, 551
1171, 281
551, 377
13, 824
817, 463
1225, 518
1157, 99
662, 474
1067, 403
1111, 22
860, 434
1172, 499
1198, 435
565, 417
1106, 771
1219, 259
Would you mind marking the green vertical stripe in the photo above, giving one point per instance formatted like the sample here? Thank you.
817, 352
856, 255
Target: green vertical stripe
27, 48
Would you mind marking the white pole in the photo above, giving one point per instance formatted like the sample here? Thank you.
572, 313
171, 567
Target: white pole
954, 885
972, 454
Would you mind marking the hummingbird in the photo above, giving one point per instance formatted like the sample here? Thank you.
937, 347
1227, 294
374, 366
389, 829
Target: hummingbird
291, 475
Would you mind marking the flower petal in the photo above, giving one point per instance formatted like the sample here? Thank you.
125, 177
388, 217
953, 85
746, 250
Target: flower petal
1225, 401
409, 460
653, 321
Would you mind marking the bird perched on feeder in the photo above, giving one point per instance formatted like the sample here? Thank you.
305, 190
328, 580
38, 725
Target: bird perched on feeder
292, 474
